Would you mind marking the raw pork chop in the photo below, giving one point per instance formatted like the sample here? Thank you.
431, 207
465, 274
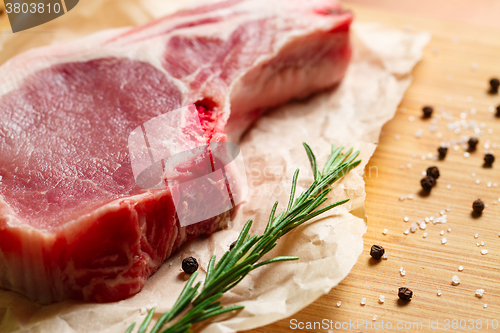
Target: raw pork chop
73, 222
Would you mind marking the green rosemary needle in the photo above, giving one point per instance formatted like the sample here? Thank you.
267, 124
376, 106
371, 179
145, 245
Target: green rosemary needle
244, 257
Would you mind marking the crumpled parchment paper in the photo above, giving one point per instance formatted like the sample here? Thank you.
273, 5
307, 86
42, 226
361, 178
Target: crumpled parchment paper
352, 114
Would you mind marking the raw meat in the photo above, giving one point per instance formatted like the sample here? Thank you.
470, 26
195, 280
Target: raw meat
73, 222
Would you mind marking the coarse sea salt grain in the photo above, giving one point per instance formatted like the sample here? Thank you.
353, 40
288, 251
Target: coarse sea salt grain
422, 225
402, 197
339, 303
406, 231
410, 196
441, 232
402, 272
374, 317
406, 218
485, 306
460, 268
385, 231
466, 154
455, 280
484, 251
425, 235
441, 219
443, 240
476, 235
439, 293
385, 256
479, 292
478, 181
363, 301
448, 187
414, 227
381, 299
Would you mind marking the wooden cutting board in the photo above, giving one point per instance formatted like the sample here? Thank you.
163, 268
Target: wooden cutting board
447, 79
453, 76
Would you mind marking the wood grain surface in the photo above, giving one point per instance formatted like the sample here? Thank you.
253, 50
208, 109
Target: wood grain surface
445, 79
453, 77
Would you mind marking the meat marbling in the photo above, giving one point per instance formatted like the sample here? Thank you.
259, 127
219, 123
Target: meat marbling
73, 222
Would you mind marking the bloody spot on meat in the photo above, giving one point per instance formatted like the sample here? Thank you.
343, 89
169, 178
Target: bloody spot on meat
207, 111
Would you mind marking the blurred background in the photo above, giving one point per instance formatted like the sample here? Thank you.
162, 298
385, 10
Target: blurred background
480, 12
118, 13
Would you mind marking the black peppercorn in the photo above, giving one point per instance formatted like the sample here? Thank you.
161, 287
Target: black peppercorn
232, 245
498, 112
489, 159
442, 152
377, 252
427, 183
494, 84
405, 294
433, 172
473, 143
478, 206
427, 111
189, 265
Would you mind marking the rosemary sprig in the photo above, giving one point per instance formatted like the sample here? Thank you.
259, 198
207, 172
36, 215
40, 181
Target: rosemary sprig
244, 257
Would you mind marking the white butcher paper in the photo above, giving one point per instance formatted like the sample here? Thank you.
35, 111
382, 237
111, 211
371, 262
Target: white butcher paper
351, 114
